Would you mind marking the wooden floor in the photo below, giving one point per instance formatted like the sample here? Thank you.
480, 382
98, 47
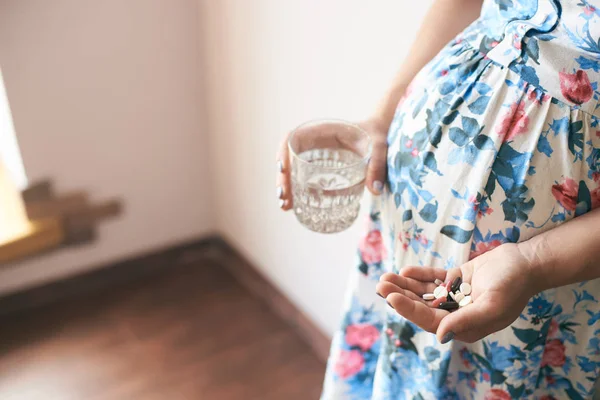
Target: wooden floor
190, 333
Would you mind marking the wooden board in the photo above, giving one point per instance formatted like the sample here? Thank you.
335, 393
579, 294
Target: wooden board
44, 234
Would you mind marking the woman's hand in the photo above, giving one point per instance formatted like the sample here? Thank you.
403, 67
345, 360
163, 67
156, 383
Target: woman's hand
376, 170
502, 282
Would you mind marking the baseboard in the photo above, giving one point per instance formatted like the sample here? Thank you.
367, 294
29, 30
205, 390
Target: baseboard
104, 278
251, 277
214, 248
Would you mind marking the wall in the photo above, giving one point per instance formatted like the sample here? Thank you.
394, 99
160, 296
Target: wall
105, 97
272, 64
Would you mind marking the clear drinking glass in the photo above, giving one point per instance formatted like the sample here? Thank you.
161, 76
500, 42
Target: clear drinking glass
329, 161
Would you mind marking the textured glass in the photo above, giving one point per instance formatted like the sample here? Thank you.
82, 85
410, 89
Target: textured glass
329, 160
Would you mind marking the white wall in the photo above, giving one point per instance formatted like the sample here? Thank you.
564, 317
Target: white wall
105, 97
110, 96
272, 64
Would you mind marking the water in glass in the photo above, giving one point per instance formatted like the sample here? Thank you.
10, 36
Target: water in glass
327, 188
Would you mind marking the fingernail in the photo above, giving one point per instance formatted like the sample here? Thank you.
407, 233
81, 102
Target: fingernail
279, 165
378, 186
279, 192
388, 303
448, 337
379, 294
281, 203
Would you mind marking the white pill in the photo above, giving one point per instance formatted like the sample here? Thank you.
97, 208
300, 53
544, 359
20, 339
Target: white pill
465, 301
438, 282
428, 296
440, 292
465, 288
453, 296
458, 297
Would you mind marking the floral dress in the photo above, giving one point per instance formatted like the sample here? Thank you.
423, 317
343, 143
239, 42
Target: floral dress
496, 140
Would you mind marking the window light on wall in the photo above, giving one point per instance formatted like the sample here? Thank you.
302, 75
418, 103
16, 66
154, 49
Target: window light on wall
46, 220
13, 217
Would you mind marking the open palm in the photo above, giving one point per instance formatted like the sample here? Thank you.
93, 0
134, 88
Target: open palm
502, 284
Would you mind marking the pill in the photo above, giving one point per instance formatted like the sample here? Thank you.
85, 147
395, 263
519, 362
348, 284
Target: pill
465, 302
458, 297
448, 305
440, 292
453, 296
437, 302
428, 296
465, 288
438, 282
456, 284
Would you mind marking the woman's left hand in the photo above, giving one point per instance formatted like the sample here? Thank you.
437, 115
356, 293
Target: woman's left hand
502, 282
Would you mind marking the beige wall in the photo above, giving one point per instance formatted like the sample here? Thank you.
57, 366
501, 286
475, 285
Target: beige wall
105, 97
272, 64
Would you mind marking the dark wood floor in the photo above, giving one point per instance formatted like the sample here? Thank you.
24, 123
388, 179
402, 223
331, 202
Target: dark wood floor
191, 332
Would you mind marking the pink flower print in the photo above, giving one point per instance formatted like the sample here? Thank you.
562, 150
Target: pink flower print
463, 355
371, 247
516, 42
349, 363
414, 152
589, 10
484, 247
497, 394
538, 97
361, 335
514, 122
554, 353
553, 328
566, 193
576, 87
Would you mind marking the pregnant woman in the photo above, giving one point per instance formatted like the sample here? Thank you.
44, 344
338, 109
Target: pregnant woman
487, 166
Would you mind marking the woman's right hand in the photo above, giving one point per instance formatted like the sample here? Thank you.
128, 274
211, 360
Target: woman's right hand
376, 170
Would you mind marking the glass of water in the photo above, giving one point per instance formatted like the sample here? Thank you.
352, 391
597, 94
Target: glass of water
328, 166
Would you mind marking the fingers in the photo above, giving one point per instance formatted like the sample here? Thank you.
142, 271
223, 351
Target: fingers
284, 184
415, 286
471, 323
453, 273
418, 312
425, 274
386, 288
466, 271
377, 168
